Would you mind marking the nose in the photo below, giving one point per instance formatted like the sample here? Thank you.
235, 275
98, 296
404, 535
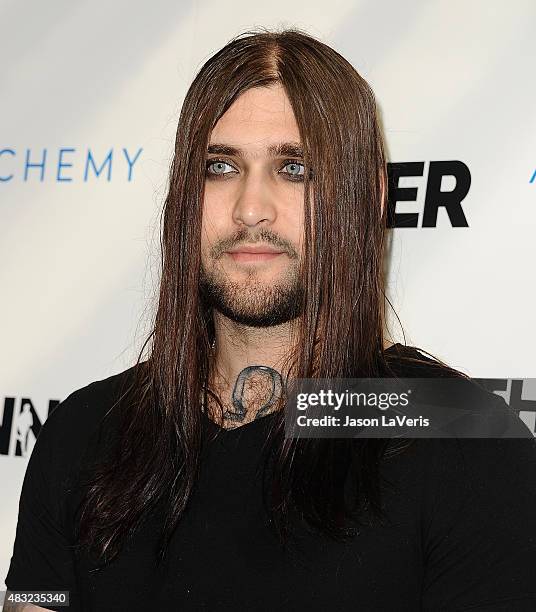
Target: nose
255, 202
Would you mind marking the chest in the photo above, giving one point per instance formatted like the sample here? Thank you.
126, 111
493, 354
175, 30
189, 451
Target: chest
224, 555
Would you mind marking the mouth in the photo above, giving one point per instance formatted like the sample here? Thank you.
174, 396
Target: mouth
253, 254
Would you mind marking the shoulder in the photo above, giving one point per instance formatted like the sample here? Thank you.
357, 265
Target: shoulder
453, 470
85, 407
407, 360
88, 404
70, 427
454, 389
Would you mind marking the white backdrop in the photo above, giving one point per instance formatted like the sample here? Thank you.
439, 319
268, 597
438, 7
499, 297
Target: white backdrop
105, 81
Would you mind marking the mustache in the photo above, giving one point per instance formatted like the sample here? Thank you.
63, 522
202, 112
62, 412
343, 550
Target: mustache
245, 236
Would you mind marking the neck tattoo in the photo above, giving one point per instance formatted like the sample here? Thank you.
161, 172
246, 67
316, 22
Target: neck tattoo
240, 409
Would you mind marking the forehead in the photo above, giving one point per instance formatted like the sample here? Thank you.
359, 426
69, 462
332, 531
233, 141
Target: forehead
258, 118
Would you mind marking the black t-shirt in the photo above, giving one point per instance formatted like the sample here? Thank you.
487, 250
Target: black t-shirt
461, 533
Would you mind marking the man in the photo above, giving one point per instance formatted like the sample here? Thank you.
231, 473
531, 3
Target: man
171, 485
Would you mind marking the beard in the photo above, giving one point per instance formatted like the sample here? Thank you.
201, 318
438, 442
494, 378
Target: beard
251, 301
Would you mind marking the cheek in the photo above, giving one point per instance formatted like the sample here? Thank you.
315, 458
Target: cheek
212, 217
214, 224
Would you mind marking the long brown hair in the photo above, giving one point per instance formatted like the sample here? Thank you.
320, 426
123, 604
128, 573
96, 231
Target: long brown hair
341, 331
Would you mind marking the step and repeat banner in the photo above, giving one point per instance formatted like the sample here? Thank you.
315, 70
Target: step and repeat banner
90, 94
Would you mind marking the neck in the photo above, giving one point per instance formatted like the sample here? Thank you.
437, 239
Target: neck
246, 394
238, 346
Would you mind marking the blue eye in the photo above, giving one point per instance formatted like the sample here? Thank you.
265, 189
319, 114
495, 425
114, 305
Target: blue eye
295, 173
218, 164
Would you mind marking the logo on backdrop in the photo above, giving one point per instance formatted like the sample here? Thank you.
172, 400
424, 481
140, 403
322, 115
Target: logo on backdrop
436, 195
20, 423
67, 165
519, 394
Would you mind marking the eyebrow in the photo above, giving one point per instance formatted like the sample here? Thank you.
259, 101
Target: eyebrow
280, 149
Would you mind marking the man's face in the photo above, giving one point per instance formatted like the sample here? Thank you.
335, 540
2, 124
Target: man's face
253, 199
